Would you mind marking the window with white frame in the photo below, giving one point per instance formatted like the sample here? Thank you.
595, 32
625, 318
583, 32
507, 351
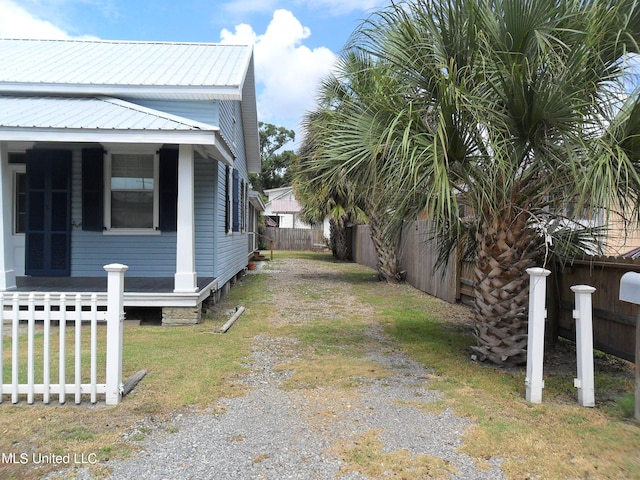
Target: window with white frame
131, 201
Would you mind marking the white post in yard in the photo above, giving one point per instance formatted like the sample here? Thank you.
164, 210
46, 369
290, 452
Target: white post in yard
584, 345
115, 318
535, 335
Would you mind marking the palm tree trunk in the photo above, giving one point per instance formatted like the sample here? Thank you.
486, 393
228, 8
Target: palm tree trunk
339, 245
388, 264
505, 251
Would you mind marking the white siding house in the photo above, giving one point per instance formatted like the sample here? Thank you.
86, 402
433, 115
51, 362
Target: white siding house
283, 209
130, 152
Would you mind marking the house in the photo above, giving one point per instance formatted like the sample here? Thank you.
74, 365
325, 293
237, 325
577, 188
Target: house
131, 152
282, 210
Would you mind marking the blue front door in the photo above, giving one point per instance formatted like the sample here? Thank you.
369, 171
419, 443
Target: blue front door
48, 223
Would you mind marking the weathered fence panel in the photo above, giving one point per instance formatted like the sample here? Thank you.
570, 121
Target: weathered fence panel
364, 252
614, 321
294, 239
417, 254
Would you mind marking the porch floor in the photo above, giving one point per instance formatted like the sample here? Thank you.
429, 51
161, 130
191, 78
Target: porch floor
161, 285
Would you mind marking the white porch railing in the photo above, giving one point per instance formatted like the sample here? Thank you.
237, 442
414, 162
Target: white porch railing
64, 308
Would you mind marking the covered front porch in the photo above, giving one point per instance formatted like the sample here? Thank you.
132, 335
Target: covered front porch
67, 232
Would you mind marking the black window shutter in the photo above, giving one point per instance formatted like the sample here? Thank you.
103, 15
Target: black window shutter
93, 189
227, 208
236, 201
168, 189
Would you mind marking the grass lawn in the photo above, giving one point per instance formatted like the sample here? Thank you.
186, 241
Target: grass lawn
192, 368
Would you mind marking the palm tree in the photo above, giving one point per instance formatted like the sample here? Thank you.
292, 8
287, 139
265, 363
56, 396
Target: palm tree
324, 199
338, 133
514, 110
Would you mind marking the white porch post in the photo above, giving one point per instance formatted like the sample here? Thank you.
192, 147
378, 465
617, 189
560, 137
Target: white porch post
186, 276
7, 272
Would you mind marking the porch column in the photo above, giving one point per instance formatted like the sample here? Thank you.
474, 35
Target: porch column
186, 276
7, 272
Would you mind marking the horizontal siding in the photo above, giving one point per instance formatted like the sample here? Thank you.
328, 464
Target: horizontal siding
145, 255
218, 253
205, 112
206, 172
231, 249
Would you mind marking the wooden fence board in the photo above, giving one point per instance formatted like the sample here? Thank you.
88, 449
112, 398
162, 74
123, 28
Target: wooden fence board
417, 258
614, 321
296, 239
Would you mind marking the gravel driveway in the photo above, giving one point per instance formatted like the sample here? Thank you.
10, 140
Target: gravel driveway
278, 433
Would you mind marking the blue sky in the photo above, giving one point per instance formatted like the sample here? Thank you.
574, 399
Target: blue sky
296, 41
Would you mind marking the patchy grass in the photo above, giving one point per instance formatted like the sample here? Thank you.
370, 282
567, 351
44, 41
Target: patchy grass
188, 367
557, 439
365, 456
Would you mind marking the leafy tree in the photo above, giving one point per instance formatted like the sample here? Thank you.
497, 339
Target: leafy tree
276, 164
512, 109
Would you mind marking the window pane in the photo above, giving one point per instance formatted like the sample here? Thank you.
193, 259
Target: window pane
132, 172
20, 202
132, 209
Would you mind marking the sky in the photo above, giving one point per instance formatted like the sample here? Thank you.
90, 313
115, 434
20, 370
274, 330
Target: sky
295, 41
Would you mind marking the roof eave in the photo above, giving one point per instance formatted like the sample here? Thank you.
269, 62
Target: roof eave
256, 200
196, 92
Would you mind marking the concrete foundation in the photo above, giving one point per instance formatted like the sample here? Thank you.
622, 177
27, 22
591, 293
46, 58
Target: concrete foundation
181, 315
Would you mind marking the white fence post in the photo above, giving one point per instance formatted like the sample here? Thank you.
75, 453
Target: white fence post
535, 335
584, 345
115, 317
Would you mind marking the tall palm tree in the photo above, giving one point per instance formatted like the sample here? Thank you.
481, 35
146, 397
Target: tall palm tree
346, 119
324, 199
512, 109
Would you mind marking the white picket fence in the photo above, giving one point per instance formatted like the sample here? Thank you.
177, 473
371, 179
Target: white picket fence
70, 311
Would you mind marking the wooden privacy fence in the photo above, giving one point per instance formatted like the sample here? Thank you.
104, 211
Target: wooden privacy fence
614, 321
58, 309
298, 239
417, 256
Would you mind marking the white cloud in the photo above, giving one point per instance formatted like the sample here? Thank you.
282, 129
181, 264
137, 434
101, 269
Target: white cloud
15, 22
288, 71
18, 22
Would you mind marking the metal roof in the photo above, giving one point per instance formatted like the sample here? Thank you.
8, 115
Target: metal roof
130, 70
285, 206
87, 113
85, 119
181, 71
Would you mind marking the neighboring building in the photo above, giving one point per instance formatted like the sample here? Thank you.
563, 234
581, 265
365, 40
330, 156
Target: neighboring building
283, 210
130, 152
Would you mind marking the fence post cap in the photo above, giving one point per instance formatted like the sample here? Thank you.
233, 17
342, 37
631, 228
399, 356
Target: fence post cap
538, 272
583, 289
116, 267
